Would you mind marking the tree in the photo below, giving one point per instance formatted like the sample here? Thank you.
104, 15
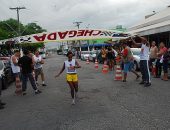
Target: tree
32, 28
9, 29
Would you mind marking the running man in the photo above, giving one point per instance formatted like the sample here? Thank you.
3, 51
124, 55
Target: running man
70, 66
38, 68
16, 71
144, 61
128, 61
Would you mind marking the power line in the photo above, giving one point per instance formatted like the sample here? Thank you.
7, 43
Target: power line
18, 9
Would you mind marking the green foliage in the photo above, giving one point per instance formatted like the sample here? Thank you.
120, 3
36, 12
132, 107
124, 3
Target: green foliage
9, 29
31, 46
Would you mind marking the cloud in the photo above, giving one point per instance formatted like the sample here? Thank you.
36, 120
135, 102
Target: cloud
60, 14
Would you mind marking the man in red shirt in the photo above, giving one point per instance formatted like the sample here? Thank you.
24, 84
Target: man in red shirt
128, 62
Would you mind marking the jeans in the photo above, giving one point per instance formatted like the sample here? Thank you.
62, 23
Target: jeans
165, 66
158, 68
144, 67
25, 78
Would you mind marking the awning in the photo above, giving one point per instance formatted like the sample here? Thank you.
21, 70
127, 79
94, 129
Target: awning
153, 29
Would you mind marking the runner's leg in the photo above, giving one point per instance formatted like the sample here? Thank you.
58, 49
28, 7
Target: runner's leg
71, 85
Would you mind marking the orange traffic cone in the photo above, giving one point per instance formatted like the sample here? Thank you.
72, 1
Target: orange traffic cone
105, 68
118, 76
96, 65
87, 61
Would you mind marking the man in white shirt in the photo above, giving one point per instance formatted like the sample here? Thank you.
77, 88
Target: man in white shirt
38, 68
144, 61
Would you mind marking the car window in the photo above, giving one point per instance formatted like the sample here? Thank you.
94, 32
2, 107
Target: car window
1, 65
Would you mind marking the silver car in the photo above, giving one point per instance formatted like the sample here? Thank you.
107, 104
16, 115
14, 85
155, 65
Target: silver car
136, 55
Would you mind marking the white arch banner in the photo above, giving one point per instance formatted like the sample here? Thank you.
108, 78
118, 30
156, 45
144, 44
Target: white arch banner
59, 36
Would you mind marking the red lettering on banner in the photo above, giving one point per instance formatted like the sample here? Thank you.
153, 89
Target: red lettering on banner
62, 34
52, 36
97, 33
40, 38
80, 33
72, 33
88, 32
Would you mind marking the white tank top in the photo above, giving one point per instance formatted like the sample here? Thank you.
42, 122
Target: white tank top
68, 65
37, 65
144, 55
15, 68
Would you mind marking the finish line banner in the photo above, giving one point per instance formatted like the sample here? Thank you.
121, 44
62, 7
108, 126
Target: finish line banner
71, 35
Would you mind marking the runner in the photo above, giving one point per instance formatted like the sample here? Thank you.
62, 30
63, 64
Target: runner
128, 62
38, 68
26, 65
16, 71
144, 59
70, 66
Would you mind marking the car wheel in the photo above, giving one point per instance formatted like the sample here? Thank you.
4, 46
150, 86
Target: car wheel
136, 67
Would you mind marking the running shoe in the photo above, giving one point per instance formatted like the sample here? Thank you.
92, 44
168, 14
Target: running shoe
142, 82
137, 77
147, 85
2, 103
38, 92
24, 93
2, 107
73, 102
44, 85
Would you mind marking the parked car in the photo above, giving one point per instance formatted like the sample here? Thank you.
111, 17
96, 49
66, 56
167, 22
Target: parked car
6, 75
136, 55
92, 56
85, 55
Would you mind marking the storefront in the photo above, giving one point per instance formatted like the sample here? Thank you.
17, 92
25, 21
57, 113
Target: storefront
156, 27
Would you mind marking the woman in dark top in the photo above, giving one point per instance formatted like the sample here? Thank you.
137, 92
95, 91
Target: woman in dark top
110, 58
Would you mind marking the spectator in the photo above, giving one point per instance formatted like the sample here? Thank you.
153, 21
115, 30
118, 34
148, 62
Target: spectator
153, 53
159, 63
128, 62
26, 65
110, 58
166, 57
144, 58
38, 68
16, 71
103, 54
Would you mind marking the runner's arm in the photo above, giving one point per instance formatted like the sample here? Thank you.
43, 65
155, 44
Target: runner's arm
77, 65
60, 71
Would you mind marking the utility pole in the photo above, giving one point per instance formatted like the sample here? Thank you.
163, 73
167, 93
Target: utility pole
77, 24
18, 9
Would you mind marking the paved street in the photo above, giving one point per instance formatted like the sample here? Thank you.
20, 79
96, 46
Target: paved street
103, 104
